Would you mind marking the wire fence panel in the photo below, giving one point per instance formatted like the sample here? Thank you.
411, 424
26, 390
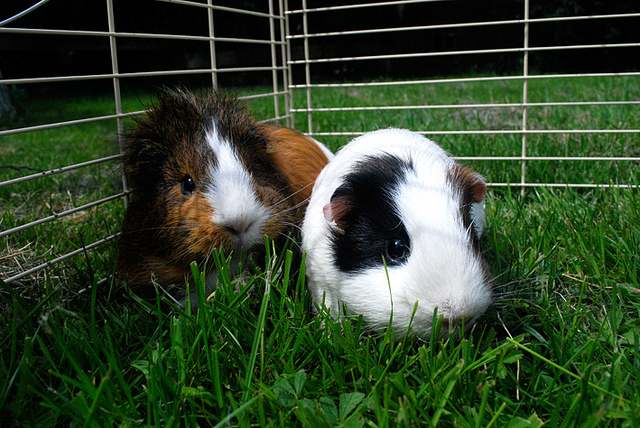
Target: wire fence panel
523, 128
464, 80
320, 45
22, 256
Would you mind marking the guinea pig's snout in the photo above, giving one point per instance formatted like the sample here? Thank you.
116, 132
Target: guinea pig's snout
240, 227
243, 230
462, 312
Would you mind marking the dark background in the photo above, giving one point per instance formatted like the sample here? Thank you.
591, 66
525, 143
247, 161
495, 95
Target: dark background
37, 55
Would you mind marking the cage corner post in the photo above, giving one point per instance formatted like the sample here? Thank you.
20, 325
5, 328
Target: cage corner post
212, 46
525, 99
287, 71
116, 89
307, 66
274, 64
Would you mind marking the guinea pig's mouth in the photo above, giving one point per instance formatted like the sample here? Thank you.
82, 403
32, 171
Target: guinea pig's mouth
463, 325
245, 245
239, 244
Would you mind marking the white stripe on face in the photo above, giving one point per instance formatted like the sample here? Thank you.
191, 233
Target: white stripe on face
231, 193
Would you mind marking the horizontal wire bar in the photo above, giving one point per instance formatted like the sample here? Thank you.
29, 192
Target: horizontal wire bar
273, 119
94, 119
23, 13
202, 38
67, 123
100, 76
223, 8
253, 97
358, 6
464, 52
135, 74
568, 185
467, 106
60, 258
61, 214
494, 132
464, 25
107, 117
241, 69
463, 80
549, 158
46, 31
60, 170
269, 68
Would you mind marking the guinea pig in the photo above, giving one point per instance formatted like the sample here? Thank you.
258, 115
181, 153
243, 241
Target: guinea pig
392, 232
205, 175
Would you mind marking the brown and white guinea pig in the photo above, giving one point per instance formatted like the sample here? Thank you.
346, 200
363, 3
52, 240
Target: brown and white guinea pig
205, 175
394, 198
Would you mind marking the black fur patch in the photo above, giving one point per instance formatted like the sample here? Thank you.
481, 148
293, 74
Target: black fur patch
371, 221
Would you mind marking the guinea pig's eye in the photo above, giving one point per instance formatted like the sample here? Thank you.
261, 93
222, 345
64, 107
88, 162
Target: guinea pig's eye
397, 250
188, 185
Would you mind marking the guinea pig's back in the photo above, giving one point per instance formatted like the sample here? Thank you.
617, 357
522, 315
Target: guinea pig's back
402, 143
399, 142
299, 158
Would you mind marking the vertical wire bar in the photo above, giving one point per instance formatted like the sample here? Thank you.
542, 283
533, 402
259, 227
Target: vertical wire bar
292, 119
285, 67
212, 46
525, 98
116, 87
307, 65
274, 72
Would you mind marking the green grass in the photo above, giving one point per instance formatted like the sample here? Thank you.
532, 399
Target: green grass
561, 345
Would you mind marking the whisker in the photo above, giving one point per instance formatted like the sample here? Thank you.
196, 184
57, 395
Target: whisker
500, 275
514, 282
291, 239
469, 229
294, 207
515, 286
291, 195
295, 226
146, 229
516, 295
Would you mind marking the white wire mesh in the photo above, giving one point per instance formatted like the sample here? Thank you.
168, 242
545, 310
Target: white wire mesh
307, 59
290, 47
273, 21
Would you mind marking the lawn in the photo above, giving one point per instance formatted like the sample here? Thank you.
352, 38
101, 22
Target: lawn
560, 346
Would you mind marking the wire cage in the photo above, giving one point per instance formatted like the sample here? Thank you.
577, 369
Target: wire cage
499, 122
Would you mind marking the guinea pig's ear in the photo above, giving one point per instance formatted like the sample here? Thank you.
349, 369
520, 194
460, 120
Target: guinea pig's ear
335, 212
477, 187
471, 183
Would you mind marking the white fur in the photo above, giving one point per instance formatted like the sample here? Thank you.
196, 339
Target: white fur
232, 195
476, 211
442, 271
324, 149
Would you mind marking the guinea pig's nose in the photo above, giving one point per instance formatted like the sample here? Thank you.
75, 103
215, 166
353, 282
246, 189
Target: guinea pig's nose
232, 230
239, 227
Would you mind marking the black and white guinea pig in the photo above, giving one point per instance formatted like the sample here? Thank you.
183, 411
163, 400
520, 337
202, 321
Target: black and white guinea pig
205, 175
394, 198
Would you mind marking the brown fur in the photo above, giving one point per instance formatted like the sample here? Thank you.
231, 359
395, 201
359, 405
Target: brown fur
472, 185
165, 230
297, 156
473, 190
